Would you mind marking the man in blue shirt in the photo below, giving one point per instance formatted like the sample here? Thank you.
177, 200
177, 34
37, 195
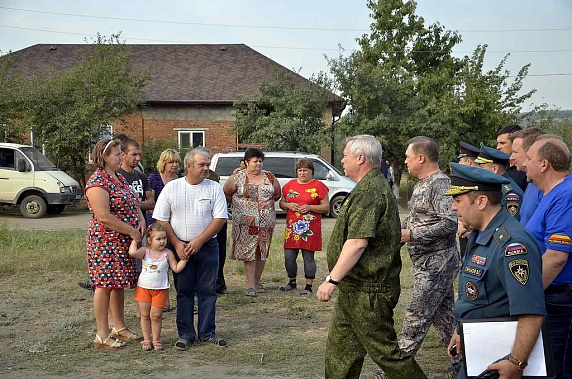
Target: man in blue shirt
501, 273
521, 142
547, 164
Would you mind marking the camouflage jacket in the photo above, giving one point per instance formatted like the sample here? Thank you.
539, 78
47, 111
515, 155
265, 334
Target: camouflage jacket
432, 223
369, 211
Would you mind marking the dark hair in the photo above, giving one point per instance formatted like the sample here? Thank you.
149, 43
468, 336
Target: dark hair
253, 153
121, 137
305, 163
493, 196
426, 146
128, 143
509, 129
101, 150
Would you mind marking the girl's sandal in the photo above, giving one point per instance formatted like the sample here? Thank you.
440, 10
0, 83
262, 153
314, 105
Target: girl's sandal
109, 343
130, 336
158, 345
146, 345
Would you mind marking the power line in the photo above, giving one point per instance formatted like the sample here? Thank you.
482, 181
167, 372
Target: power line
265, 27
286, 47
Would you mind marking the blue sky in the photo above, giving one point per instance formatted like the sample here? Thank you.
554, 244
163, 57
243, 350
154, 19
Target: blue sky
297, 34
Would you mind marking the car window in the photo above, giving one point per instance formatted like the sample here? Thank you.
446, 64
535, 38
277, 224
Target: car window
320, 170
280, 167
7, 158
225, 165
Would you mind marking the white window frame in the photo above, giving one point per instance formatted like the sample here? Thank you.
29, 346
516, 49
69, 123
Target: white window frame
190, 132
107, 132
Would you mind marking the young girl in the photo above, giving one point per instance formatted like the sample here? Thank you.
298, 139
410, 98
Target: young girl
153, 284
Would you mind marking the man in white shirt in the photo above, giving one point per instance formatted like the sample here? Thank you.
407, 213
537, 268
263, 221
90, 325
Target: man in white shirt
193, 209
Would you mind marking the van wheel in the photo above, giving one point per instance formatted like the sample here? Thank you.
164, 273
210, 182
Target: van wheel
335, 205
33, 206
56, 209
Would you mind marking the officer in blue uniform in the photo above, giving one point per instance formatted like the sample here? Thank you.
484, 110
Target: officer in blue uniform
496, 161
467, 155
501, 274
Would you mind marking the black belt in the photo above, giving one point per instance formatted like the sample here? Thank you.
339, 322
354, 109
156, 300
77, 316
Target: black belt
558, 288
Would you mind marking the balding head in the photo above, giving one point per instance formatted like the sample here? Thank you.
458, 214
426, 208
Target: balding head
555, 151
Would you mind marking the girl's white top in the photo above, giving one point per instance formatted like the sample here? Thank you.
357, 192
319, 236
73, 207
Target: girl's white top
154, 272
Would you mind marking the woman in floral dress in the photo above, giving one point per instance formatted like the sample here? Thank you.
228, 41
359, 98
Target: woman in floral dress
304, 199
253, 192
115, 221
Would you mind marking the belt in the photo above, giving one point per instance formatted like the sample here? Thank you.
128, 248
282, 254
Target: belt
558, 288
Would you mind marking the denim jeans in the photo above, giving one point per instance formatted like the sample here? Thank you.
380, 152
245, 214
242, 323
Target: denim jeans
199, 276
559, 309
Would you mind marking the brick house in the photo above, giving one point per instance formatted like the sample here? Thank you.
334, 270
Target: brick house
191, 91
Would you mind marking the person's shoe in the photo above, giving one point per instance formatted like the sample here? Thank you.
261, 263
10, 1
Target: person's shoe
306, 292
225, 292
86, 285
217, 341
182, 344
451, 373
250, 292
377, 374
260, 288
288, 287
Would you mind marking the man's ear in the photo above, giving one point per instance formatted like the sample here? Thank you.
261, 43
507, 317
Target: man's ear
482, 202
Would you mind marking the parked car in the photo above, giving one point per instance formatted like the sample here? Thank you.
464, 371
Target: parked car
282, 165
30, 180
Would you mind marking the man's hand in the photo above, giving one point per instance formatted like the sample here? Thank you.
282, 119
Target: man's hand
506, 369
180, 247
455, 340
325, 291
193, 246
405, 235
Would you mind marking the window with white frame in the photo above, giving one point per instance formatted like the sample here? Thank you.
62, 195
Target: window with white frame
189, 139
106, 133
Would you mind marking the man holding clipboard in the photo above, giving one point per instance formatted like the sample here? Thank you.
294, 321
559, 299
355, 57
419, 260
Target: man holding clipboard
501, 275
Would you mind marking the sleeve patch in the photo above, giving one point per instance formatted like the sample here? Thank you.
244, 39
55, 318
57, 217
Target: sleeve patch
519, 270
560, 238
512, 197
515, 249
512, 208
474, 271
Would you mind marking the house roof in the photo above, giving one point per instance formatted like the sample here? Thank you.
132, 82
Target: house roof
185, 74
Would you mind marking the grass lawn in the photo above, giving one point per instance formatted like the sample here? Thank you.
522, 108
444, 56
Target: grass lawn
47, 324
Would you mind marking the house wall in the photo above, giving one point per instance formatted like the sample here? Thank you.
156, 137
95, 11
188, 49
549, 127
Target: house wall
156, 122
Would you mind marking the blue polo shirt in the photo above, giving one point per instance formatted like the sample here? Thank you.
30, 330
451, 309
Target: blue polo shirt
530, 201
551, 225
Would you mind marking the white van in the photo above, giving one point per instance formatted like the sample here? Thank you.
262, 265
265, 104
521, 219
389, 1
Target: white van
30, 180
283, 165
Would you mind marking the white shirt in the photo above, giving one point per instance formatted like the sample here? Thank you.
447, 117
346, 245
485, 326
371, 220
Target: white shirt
190, 208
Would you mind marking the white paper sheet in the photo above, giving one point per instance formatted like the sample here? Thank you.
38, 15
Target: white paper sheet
485, 342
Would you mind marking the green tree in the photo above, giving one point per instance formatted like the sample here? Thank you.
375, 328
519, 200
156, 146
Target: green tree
11, 94
68, 111
404, 81
285, 114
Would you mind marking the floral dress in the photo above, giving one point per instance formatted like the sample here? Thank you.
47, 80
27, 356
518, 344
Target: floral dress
253, 217
108, 259
304, 230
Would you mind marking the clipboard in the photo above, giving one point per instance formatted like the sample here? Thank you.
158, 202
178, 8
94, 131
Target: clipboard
486, 340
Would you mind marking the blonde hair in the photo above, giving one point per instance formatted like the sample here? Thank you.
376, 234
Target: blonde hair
167, 156
101, 150
156, 227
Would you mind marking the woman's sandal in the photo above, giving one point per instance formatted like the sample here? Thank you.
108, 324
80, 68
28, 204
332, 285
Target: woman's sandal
109, 343
129, 337
158, 345
146, 345
250, 292
260, 288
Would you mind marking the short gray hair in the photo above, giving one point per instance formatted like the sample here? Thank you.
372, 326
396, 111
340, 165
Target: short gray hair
369, 146
190, 156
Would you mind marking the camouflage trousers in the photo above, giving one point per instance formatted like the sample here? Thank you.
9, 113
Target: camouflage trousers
432, 301
362, 324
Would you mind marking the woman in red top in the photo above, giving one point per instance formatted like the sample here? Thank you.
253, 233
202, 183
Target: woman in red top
304, 200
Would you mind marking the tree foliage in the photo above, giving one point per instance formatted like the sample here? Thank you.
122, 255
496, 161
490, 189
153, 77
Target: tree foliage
68, 111
404, 81
285, 114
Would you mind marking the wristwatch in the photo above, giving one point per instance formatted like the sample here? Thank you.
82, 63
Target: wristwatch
521, 365
330, 280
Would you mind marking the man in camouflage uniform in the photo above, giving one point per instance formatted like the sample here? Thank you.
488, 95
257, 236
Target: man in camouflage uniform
430, 230
364, 261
